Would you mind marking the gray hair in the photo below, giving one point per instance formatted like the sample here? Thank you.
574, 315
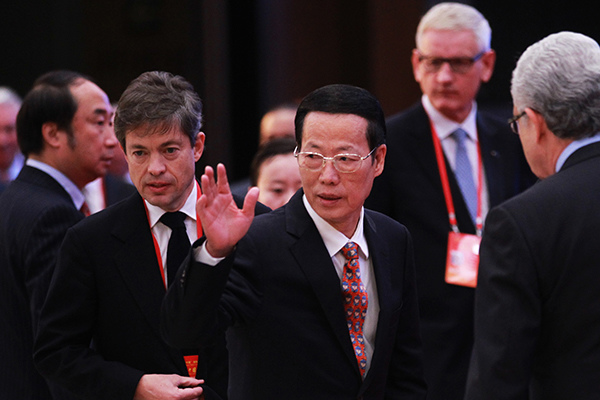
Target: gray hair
559, 77
456, 17
9, 96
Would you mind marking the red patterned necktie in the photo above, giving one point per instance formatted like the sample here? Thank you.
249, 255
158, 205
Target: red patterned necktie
356, 301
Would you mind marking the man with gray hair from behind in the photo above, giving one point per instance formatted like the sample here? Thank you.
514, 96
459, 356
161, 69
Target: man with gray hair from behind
537, 309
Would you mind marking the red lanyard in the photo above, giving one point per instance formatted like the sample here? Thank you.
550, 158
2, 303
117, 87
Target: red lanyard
446, 184
156, 246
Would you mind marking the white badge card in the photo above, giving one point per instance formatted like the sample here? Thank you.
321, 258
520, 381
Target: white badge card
462, 260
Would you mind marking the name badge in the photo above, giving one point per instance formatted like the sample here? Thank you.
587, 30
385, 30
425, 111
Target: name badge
191, 362
462, 260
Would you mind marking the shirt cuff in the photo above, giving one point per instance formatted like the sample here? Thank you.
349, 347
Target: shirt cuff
202, 255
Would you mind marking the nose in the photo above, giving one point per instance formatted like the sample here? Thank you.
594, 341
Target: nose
156, 166
445, 74
110, 139
329, 175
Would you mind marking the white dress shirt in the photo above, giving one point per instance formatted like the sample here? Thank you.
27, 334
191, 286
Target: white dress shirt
14, 168
94, 195
162, 233
444, 128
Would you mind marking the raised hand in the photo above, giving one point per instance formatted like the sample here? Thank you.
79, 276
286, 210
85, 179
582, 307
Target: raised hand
223, 223
160, 387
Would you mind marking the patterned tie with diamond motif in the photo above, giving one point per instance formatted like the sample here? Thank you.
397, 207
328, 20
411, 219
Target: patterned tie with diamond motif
355, 303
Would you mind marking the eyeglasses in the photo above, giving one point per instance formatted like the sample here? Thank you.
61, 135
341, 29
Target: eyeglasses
344, 163
512, 122
458, 65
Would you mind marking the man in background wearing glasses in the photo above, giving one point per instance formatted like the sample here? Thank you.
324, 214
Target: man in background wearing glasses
448, 163
319, 295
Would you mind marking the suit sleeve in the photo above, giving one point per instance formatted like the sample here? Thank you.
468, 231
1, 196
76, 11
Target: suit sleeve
225, 293
507, 313
63, 350
184, 323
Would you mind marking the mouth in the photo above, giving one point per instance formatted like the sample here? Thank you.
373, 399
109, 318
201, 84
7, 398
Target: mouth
327, 198
157, 187
446, 92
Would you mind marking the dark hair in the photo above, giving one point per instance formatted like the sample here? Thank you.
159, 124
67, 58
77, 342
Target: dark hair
270, 149
344, 99
50, 100
159, 100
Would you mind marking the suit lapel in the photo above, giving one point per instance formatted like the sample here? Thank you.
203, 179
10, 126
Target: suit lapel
381, 264
137, 263
421, 144
312, 257
136, 260
491, 156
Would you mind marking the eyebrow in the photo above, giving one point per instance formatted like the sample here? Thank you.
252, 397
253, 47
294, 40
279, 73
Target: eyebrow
101, 111
339, 150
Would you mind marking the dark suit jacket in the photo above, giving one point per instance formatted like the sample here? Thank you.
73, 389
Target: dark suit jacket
116, 189
108, 288
537, 315
36, 213
410, 191
282, 302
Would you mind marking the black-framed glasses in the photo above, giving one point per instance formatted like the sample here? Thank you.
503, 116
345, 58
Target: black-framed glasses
458, 65
344, 163
514, 125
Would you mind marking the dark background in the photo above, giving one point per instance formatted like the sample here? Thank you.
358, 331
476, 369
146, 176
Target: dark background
246, 56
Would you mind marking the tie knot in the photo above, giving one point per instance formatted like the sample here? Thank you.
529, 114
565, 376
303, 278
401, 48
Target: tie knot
350, 251
173, 219
459, 135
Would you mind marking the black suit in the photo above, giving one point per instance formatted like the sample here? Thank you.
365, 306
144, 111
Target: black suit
410, 191
115, 189
282, 301
537, 315
36, 213
108, 288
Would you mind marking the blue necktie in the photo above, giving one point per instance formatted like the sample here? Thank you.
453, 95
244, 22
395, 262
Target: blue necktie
464, 173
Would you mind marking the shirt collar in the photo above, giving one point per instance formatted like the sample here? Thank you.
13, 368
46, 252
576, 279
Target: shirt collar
16, 165
444, 126
189, 208
573, 147
72, 189
334, 240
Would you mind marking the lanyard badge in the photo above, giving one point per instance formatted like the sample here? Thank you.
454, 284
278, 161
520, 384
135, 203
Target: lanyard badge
462, 259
